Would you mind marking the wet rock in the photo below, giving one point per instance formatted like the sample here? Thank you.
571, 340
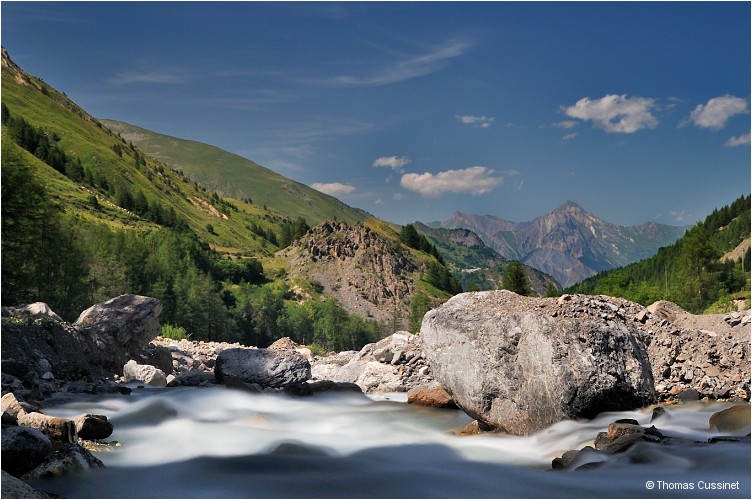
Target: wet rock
69, 458
23, 448
265, 367
132, 320
93, 427
620, 436
149, 375
510, 364
658, 412
476, 427
12, 487
193, 378
434, 396
735, 419
56, 428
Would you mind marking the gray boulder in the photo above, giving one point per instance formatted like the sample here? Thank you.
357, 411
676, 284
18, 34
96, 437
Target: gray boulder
517, 364
23, 448
69, 458
132, 320
13, 487
148, 374
269, 368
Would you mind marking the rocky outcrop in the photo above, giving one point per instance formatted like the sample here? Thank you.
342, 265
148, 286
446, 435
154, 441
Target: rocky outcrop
35, 311
45, 355
69, 458
520, 364
368, 274
132, 320
267, 368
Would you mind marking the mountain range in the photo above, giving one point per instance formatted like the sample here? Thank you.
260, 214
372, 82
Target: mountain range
569, 243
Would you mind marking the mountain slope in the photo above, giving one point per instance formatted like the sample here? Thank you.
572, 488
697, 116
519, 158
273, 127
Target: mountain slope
231, 175
705, 268
477, 265
569, 243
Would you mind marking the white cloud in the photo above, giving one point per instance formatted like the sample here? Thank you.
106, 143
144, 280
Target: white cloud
569, 137
394, 162
476, 121
474, 180
333, 188
742, 140
717, 111
615, 113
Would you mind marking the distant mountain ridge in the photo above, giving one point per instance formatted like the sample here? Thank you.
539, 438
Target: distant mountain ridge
569, 243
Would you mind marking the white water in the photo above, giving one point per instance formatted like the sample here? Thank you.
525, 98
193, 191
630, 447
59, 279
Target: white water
215, 442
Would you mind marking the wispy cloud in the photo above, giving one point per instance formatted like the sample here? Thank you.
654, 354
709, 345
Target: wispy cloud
742, 140
406, 68
476, 180
160, 76
569, 137
476, 121
333, 188
566, 124
615, 113
716, 112
394, 162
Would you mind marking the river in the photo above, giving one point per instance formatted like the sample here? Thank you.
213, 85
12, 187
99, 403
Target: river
221, 443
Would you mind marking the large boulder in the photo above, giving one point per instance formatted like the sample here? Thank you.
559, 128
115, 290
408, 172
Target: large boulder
132, 320
518, 364
269, 368
68, 458
23, 448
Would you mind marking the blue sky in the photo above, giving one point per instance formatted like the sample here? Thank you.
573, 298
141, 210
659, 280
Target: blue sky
637, 111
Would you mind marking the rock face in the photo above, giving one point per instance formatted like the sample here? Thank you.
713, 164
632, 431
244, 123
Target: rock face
516, 364
269, 368
367, 273
133, 320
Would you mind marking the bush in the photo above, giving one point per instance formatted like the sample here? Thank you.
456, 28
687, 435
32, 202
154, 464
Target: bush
174, 332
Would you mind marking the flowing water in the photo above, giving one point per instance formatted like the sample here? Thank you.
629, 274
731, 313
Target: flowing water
220, 443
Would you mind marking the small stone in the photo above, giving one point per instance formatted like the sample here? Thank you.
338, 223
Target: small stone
688, 395
658, 412
433, 396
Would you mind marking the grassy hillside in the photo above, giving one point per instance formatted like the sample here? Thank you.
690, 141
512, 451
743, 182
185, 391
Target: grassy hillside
231, 175
703, 271
87, 215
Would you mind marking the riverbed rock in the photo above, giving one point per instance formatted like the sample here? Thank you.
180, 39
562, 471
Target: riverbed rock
11, 409
269, 368
512, 364
69, 458
23, 448
12, 487
148, 374
58, 429
735, 420
434, 396
133, 320
93, 427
